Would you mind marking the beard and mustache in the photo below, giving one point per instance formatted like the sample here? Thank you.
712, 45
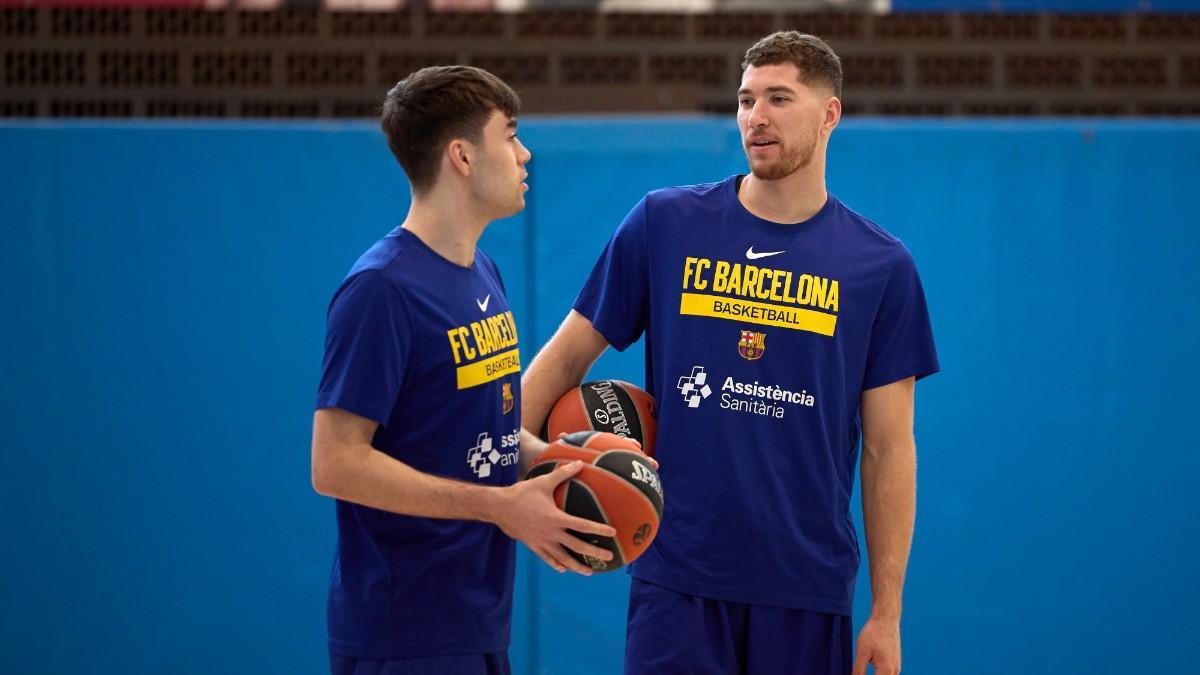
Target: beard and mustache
792, 158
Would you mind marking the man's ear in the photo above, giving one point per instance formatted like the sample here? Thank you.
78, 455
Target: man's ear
833, 113
461, 156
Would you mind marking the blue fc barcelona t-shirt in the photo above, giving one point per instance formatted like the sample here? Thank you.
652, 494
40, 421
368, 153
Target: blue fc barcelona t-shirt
428, 349
760, 340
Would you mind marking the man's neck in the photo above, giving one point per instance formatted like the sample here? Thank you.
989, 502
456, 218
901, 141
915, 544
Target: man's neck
450, 231
792, 199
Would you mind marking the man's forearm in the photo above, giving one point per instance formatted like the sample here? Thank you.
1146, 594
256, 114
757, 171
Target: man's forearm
541, 387
547, 378
364, 475
889, 511
531, 447
561, 365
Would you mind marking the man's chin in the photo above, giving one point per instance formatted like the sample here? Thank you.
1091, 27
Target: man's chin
776, 170
515, 209
761, 172
772, 171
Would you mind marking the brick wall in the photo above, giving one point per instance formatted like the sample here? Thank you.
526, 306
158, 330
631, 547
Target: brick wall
310, 63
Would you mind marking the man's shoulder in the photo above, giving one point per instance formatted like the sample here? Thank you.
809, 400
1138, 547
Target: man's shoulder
378, 271
686, 204
870, 231
381, 257
687, 194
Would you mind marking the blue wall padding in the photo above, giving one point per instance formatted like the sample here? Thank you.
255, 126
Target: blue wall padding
165, 288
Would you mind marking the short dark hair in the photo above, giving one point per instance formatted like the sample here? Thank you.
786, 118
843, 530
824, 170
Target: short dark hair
433, 106
815, 59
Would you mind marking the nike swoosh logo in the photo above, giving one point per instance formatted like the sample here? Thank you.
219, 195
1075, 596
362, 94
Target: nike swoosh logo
755, 256
484, 303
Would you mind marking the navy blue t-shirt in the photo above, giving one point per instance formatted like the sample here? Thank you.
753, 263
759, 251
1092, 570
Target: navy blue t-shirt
428, 349
760, 339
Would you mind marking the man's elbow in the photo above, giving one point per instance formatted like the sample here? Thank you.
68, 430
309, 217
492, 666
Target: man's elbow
889, 448
325, 474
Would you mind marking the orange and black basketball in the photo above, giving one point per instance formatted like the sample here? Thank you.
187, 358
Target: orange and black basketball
617, 486
614, 406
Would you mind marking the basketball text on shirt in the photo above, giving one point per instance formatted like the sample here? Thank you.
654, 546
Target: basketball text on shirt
804, 302
485, 350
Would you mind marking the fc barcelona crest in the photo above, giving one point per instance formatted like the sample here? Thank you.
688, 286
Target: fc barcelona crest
752, 345
508, 397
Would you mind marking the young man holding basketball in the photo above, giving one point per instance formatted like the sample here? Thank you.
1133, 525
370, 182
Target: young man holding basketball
417, 431
780, 326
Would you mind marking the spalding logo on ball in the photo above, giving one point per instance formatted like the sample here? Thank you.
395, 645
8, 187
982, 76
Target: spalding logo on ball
606, 405
617, 486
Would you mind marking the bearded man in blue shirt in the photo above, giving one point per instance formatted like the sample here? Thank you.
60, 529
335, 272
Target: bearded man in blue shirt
781, 327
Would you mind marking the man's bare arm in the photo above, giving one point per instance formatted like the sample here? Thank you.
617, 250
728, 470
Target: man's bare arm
346, 466
561, 365
889, 470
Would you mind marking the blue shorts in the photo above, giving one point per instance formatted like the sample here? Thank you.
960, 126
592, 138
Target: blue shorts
676, 633
457, 664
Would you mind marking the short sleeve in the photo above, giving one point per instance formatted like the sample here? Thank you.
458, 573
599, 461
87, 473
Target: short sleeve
615, 297
366, 348
901, 343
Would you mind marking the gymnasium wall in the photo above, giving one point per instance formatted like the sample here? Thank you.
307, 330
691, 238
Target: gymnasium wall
1067, 58
165, 288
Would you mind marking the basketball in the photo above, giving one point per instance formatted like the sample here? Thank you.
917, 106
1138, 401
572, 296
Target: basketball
613, 406
617, 486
